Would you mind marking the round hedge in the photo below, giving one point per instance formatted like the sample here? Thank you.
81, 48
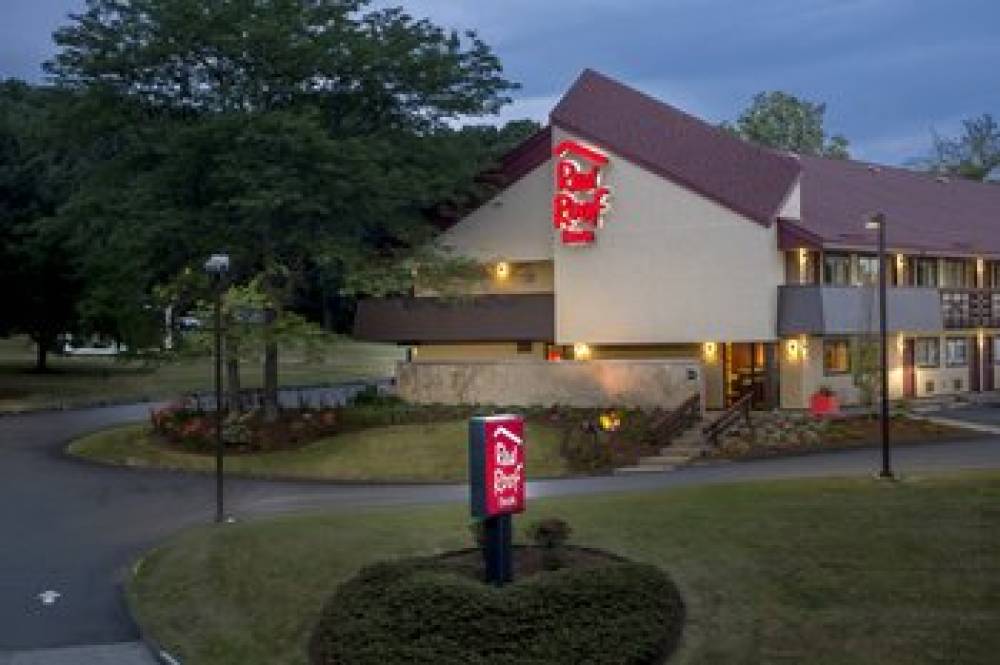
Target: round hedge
427, 611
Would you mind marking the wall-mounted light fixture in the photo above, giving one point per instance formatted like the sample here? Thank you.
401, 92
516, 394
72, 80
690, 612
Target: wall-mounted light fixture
709, 351
581, 351
501, 270
792, 349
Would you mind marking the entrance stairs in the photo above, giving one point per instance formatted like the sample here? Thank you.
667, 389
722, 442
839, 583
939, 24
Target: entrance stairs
687, 447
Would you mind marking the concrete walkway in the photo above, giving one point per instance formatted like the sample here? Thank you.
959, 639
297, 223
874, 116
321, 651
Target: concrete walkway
74, 528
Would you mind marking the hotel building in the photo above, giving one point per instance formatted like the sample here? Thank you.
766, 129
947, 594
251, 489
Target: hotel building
628, 231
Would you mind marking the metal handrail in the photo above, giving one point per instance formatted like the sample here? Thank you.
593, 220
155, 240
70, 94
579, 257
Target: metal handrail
670, 424
730, 417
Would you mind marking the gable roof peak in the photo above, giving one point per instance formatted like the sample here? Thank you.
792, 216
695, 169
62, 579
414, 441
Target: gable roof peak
749, 179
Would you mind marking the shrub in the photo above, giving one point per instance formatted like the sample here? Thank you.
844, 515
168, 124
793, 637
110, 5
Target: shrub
423, 612
550, 535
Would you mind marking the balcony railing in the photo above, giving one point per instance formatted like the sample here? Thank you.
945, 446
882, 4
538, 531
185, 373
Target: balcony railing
970, 308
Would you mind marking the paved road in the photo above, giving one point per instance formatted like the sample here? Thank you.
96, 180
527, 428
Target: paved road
74, 528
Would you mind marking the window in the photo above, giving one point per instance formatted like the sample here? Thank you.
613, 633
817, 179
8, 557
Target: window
959, 273
957, 352
524, 347
927, 352
993, 274
956, 309
996, 350
925, 272
837, 269
868, 270
836, 356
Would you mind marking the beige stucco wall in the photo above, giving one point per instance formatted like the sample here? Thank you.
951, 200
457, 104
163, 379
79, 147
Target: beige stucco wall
516, 225
801, 377
482, 351
669, 266
642, 383
523, 277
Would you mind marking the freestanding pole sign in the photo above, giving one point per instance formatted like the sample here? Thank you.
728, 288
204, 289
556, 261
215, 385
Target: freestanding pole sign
496, 484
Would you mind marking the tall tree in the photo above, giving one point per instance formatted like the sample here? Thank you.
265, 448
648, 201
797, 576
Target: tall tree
785, 122
296, 134
973, 154
38, 271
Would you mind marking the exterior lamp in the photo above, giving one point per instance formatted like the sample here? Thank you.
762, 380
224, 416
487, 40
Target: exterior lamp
710, 350
877, 222
610, 421
501, 271
217, 266
581, 351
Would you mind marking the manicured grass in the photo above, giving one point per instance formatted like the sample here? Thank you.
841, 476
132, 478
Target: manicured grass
79, 381
420, 452
832, 571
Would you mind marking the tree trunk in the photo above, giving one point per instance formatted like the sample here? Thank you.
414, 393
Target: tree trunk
233, 377
41, 356
270, 372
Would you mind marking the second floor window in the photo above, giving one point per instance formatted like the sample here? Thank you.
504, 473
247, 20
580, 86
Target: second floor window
927, 351
993, 275
959, 273
837, 269
957, 351
925, 272
868, 270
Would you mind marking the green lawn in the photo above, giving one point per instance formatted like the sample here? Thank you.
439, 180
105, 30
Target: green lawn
81, 381
420, 452
832, 571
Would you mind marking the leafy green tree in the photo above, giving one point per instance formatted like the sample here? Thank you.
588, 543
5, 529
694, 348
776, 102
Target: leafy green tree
40, 277
783, 121
973, 154
306, 138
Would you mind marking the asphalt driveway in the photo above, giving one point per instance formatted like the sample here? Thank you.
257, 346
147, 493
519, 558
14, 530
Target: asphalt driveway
74, 528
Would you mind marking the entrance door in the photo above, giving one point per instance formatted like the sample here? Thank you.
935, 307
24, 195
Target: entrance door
910, 368
975, 362
751, 367
988, 360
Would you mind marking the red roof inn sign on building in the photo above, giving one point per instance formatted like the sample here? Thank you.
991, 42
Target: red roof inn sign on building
580, 200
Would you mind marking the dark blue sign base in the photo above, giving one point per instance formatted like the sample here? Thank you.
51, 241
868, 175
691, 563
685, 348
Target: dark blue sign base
498, 551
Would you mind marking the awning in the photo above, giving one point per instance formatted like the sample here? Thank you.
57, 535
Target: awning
490, 318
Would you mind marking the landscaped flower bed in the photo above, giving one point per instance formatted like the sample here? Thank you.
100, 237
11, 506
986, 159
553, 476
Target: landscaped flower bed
789, 432
591, 607
592, 440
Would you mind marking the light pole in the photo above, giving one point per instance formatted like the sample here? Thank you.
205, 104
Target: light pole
877, 221
217, 266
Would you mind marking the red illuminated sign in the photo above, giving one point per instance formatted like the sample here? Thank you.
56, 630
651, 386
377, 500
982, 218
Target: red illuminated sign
580, 201
496, 465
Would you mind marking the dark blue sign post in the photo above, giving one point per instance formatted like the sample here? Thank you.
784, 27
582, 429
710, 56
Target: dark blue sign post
496, 484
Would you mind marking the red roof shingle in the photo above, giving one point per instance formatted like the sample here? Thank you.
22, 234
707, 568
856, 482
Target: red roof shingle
923, 212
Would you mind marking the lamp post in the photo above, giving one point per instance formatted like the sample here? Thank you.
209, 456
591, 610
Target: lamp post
217, 266
877, 221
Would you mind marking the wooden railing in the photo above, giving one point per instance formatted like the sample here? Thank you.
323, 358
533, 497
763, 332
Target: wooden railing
970, 308
739, 410
670, 424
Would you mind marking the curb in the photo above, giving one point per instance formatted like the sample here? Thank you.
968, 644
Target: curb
156, 650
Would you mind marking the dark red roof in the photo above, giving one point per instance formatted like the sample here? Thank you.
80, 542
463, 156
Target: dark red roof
923, 212
749, 179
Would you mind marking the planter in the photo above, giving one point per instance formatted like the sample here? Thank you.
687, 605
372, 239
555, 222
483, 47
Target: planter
824, 405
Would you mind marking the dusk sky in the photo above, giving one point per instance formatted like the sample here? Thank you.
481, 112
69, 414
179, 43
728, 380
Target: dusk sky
889, 70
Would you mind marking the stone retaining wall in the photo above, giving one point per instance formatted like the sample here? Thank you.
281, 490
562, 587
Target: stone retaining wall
663, 383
